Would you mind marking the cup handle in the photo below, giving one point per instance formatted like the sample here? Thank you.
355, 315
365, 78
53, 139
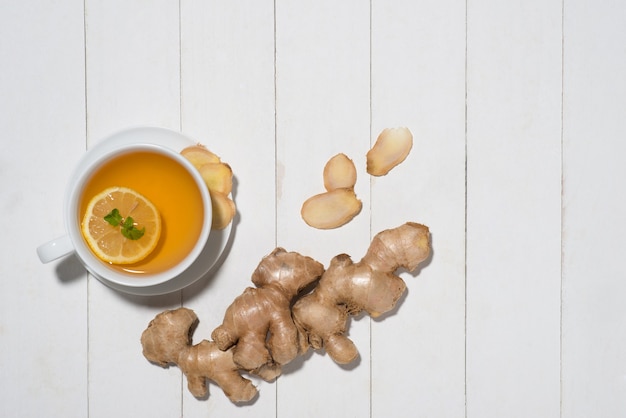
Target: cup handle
55, 249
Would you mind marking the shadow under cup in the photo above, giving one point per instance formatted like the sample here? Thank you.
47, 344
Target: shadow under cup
177, 190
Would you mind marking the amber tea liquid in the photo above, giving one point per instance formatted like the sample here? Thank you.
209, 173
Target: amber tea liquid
174, 192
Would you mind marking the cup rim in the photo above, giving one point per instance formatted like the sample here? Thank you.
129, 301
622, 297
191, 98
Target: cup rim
97, 267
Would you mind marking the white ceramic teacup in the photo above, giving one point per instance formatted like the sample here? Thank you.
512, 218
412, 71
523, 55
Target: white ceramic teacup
73, 241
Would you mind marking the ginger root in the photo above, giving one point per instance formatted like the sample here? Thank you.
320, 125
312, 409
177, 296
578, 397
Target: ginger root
347, 288
167, 340
258, 326
263, 329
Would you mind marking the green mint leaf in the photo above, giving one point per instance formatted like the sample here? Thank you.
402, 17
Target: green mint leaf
130, 231
129, 223
133, 233
114, 218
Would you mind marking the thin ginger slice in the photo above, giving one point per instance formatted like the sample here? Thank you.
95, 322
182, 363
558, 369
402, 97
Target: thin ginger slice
217, 176
339, 173
199, 154
331, 209
223, 210
391, 148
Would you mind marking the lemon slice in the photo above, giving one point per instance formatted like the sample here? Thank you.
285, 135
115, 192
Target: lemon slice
106, 240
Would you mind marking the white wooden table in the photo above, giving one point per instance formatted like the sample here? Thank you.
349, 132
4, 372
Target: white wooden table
518, 109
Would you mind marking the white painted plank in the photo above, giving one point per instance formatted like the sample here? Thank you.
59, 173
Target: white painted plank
44, 365
418, 81
322, 67
594, 337
133, 62
133, 65
513, 208
228, 104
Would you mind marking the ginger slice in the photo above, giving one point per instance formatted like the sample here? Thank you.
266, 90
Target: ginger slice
339, 173
331, 209
339, 204
223, 210
391, 148
217, 176
199, 154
